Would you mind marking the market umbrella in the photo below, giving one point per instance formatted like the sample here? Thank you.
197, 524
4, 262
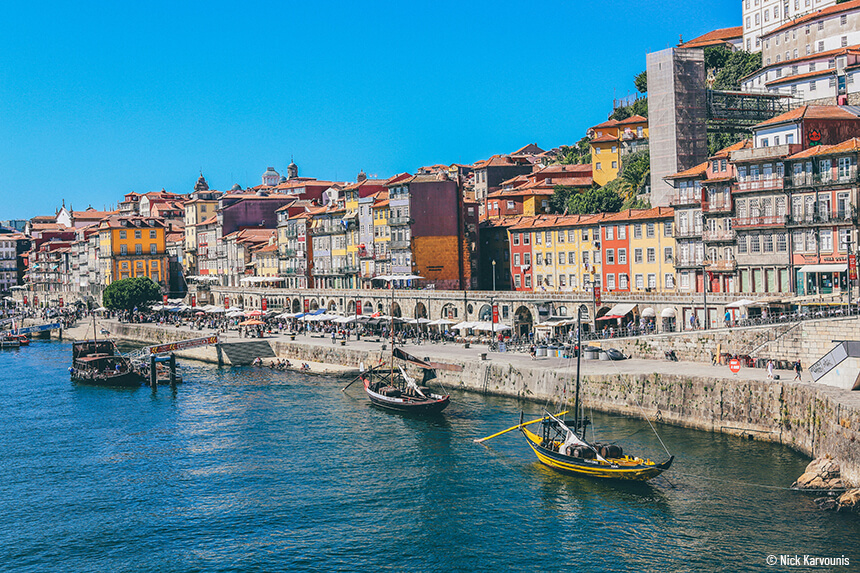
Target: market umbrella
199, 313
254, 313
252, 322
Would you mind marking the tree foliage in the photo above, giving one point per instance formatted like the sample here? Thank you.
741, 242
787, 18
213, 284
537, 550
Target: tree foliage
595, 200
729, 67
635, 175
579, 153
641, 82
126, 294
638, 107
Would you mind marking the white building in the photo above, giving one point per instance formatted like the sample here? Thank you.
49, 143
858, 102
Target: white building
761, 17
815, 58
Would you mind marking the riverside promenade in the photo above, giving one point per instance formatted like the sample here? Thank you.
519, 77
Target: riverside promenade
814, 419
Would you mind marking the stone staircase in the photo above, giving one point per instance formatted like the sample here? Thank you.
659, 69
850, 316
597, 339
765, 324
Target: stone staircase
244, 353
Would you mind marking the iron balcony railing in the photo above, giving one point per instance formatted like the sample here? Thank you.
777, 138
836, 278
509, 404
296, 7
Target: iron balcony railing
761, 221
398, 221
770, 183
399, 245
718, 235
688, 263
796, 180
679, 199
688, 232
839, 217
718, 206
722, 266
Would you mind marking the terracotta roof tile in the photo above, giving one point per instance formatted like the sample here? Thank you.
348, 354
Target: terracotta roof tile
697, 171
715, 37
810, 112
830, 10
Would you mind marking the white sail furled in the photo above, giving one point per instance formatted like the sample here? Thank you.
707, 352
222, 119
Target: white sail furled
573, 440
410, 381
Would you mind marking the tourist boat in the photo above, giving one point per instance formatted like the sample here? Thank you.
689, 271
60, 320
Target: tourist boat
562, 445
9, 341
396, 390
98, 362
393, 388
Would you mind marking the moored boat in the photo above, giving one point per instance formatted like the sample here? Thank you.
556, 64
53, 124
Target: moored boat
397, 390
98, 362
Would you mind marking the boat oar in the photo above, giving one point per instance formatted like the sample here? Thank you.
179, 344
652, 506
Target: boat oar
356, 379
478, 441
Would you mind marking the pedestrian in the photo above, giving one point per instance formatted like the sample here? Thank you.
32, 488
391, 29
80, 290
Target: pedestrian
728, 318
692, 322
770, 369
532, 351
797, 370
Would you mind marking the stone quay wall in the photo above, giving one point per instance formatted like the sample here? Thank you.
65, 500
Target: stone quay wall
815, 420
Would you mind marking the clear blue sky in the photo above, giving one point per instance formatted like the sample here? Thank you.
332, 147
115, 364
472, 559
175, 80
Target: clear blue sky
101, 98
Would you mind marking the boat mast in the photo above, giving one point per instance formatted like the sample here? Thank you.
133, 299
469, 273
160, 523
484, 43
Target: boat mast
391, 327
578, 358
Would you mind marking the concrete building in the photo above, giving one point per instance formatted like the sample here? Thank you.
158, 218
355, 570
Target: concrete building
676, 116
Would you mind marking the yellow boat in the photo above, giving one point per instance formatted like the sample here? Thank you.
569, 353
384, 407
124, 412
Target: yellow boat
571, 455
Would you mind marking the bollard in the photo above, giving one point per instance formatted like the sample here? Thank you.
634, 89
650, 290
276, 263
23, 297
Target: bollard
172, 370
153, 376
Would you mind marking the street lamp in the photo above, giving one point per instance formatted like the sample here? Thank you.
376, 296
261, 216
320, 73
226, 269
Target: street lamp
494, 274
705, 263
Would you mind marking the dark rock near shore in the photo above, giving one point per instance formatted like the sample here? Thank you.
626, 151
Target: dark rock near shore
821, 474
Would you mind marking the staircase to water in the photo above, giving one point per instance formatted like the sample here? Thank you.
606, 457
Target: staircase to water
244, 353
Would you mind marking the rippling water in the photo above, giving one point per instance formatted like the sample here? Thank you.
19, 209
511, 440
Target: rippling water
251, 470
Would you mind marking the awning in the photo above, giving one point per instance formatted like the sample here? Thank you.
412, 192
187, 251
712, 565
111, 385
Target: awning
649, 313
837, 268
668, 313
618, 311
740, 303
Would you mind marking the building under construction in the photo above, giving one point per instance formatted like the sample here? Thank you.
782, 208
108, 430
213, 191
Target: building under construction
682, 111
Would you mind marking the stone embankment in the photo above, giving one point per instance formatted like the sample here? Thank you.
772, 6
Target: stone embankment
814, 419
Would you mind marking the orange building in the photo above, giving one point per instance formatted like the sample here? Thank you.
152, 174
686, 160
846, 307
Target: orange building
133, 247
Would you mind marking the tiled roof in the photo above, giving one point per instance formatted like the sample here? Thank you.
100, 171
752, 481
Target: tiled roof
715, 37
531, 148
633, 119
605, 138
810, 112
607, 123
811, 17
851, 145
724, 153
497, 161
697, 171
816, 56
800, 77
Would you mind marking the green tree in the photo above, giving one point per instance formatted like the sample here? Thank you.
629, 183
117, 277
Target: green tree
641, 82
578, 153
635, 174
736, 66
558, 203
595, 200
126, 294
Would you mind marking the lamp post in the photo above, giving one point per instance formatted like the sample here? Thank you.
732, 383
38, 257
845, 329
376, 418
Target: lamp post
494, 274
705, 263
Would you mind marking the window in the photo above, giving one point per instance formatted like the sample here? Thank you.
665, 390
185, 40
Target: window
548, 236
622, 281
615, 165
821, 25
608, 231
610, 256
669, 280
667, 254
652, 255
516, 238
571, 236
639, 281
755, 244
781, 243
585, 258
610, 281
652, 280
598, 166
561, 258
622, 232
637, 256
826, 239
123, 234
843, 19
152, 249
585, 234
527, 238
538, 259
561, 236
152, 234
844, 239
622, 256
516, 259
844, 167
637, 231
138, 249
549, 258
538, 238
137, 234
528, 279
123, 249
539, 280
767, 243
667, 228
597, 149
527, 259
844, 41
511, 206
562, 281
649, 230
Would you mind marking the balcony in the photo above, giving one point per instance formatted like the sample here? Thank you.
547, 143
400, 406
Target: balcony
400, 245
688, 263
719, 206
399, 221
753, 222
799, 180
689, 233
328, 272
350, 270
291, 232
365, 254
685, 199
722, 266
383, 256
810, 219
718, 235
771, 183
325, 230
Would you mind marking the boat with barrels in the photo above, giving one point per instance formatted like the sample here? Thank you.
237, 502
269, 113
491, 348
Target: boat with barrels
395, 389
99, 362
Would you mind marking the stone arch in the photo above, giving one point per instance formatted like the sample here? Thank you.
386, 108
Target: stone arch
314, 304
350, 308
395, 310
523, 321
420, 310
367, 308
485, 314
379, 308
449, 311
332, 305
297, 306
601, 311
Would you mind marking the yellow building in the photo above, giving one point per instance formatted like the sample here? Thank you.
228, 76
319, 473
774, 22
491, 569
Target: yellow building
202, 205
652, 249
611, 141
265, 259
381, 234
132, 247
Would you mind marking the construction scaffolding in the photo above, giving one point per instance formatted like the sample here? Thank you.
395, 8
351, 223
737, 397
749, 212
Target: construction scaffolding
732, 112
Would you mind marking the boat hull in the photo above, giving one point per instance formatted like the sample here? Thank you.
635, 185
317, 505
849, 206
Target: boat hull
433, 405
123, 380
623, 469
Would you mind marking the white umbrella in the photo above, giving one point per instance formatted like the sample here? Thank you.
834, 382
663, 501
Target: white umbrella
441, 322
397, 277
216, 310
463, 326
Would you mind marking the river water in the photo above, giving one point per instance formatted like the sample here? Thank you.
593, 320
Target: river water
251, 470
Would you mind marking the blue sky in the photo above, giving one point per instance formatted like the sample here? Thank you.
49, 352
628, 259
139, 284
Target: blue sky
101, 98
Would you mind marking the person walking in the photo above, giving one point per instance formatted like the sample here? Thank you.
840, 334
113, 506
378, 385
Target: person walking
797, 370
532, 351
770, 369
